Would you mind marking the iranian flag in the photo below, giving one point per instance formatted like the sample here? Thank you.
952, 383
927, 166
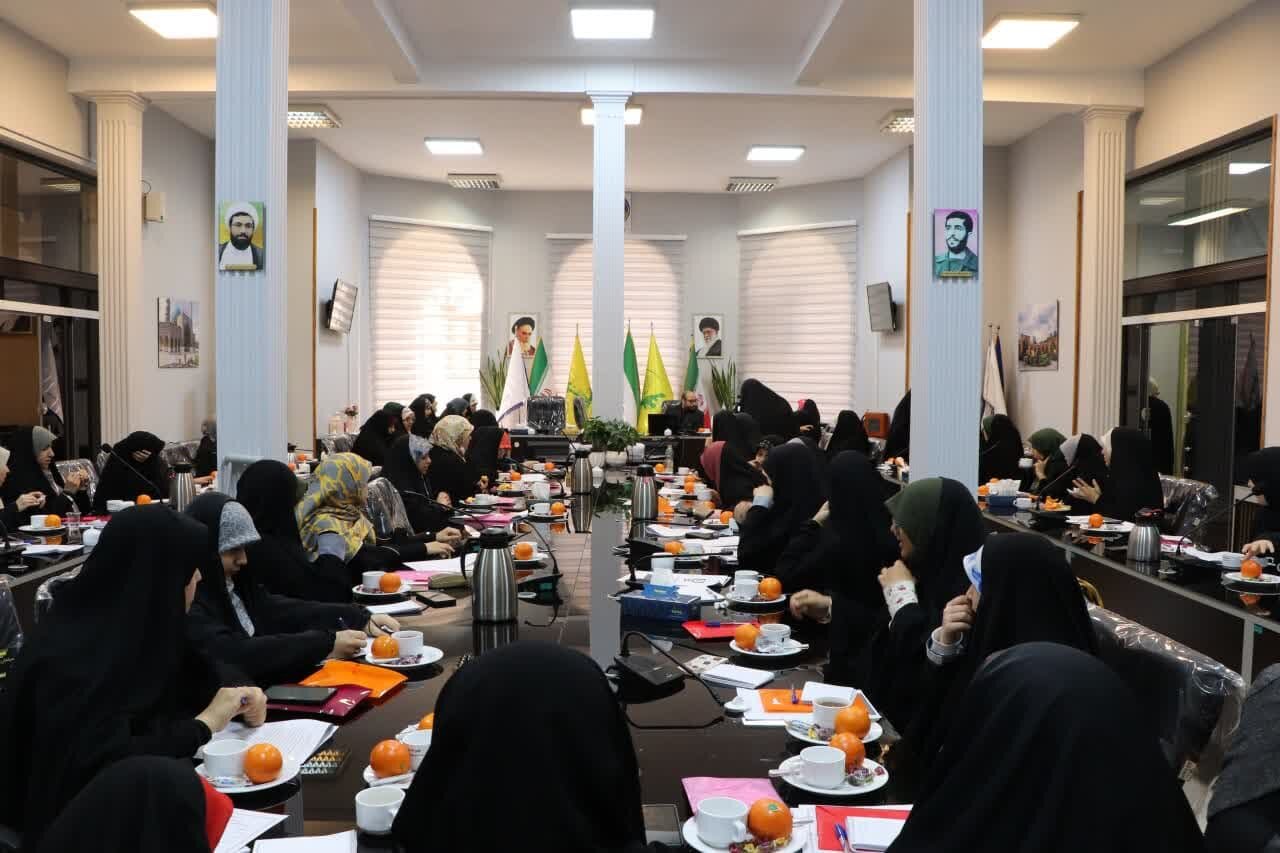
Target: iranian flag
631, 373
691, 371
539, 369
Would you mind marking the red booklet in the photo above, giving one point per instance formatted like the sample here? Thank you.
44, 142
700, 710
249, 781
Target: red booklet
344, 700
700, 630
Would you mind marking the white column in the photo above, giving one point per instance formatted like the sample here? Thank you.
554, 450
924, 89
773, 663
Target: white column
251, 154
1102, 268
119, 134
608, 200
946, 313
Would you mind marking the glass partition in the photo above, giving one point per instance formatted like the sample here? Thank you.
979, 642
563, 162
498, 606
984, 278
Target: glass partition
47, 216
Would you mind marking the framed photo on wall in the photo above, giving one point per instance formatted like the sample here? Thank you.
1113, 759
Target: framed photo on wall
523, 327
1038, 336
177, 333
242, 236
708, 335
955, 243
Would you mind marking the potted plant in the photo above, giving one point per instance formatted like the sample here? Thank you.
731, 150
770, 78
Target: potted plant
724, 385
609, 440
493, 377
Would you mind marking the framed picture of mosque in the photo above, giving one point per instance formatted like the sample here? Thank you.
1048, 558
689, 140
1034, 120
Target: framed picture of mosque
177, 333
1038, 336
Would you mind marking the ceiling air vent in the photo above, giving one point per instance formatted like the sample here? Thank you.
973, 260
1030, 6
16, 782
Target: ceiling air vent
750, 185
475, 182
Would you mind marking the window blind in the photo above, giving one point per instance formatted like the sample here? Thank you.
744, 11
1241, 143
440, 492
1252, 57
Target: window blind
428, 286
653, 272
799, 313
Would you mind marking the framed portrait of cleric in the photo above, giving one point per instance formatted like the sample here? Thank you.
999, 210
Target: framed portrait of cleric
955, 243
1038, 336
523, 332
708, 335
242, 236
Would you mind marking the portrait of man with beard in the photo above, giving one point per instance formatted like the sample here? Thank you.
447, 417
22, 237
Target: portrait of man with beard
238, 253
955, 244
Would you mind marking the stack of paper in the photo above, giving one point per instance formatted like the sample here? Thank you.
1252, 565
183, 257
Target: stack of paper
728, 675
296, 739
756, 715
243, 828
873, 834
395, 608
343, 842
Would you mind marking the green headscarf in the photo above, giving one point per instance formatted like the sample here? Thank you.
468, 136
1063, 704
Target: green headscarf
915, 510
1046, 441
986, 424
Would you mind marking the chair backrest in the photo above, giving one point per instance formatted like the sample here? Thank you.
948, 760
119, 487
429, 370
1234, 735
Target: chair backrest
546, 415
81, 466
179, 453
47, 592
670, 407
340, 443
1187, 503
100, 460
10, 630
386, 510
1192, 701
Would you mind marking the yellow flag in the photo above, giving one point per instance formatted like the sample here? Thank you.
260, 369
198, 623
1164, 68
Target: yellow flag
579, 384
657, 387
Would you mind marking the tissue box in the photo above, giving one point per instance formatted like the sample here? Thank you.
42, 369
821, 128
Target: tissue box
676, 608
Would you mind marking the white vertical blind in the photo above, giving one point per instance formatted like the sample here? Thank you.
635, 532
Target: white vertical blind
428, 284
799, 313
653, 270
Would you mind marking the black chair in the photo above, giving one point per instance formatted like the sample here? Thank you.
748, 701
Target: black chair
1187, 503
10, 841
47, 592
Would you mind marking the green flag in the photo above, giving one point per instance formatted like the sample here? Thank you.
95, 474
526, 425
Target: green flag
691, 370
538, 370
657, 387
631, 373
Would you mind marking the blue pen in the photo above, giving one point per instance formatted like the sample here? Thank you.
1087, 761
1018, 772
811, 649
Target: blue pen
843, 838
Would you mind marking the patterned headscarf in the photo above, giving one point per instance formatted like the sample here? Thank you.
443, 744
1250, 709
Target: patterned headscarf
451, 432
418, 447
333, 503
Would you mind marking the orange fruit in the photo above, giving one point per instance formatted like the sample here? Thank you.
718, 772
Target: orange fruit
143, 500
523, 551
1248, 599
851, 745
855, 720
390, 582
516, 476
745, 636
769, 820
689, 487
1096, 521
983, 491
771, 588
549, 466
262, 763
53, 521
292, 466
659, 468
1251, 569
994, 480
726, 516
386, 647
673, 548
560, 528
428, 722
389, 758
690, 479
557, 508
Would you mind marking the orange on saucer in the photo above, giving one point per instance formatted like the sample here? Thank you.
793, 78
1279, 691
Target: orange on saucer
770, 588
1251, 569
673, 548
855, 720
390, 582
726, 516
549, 466
516, 476
689, 487
1096, 521
143, 500
851, 745
52, 521
745, 636
660, 468
428, 722
389, 758
769, 820
523, 551
557, 508
386, 647
262, 763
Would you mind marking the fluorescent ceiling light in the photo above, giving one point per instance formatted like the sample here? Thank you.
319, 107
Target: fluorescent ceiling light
1246, 168
60, 185
178, 20
1204, 216
1028, 32
775, 153
750, 185
612, 22
899, 121
312, 116
486, 181
1158, 200
452, 147
631, 116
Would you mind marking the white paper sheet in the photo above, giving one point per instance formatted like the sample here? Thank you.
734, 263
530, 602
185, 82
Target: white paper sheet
243, 828
449, 566
37, 550
343, 842
737, 676
296, 739
395, 608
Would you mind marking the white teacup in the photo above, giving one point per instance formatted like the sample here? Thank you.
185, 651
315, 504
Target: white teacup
662, 577
746, 588
409, 643
485, 500
224, 758
376, 808
664, 563
773, 638
541, 491
683, 470
722, 821
39, 520
745, 575
542, 508
1229, 560
825, 710
823, 766
693, 548
370, 581
418, 741
91, 537
702, 493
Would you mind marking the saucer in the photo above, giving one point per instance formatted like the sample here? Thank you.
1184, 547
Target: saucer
288, 770
426, 657
880, 778
370, 778
405, 589
795, 729
789, 648
31, 530
799, 836
1263, 580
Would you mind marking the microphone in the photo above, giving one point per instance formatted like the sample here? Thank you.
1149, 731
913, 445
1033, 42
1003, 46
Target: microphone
1057, 479
108, 449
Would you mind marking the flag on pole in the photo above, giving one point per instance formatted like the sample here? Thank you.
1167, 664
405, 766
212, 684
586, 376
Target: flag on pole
539, 369
999, 360
657, 387
992, 383
579, 384
631, 373
515, 393
691, 369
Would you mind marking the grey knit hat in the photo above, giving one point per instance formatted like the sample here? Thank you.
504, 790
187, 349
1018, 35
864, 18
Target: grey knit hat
235, 528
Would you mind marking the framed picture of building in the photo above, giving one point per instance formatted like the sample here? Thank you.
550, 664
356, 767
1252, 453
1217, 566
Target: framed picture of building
177, 333
1038, 337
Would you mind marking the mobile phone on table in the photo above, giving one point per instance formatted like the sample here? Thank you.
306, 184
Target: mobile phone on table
296, 694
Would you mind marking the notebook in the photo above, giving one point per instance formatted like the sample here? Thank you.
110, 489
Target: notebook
873, 834
828, 817
728, 675
243, 828
343, 842
297, 739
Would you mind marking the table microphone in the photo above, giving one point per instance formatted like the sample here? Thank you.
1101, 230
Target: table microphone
108, 449
1057, 479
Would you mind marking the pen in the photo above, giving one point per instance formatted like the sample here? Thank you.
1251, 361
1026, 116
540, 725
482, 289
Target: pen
795, 697
843, 838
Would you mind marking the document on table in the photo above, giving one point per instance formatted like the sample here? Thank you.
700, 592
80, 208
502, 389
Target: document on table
243, 828
37, 550
343, 842
443, 567
395, 608
296, 739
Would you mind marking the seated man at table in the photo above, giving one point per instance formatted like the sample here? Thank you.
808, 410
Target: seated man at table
690, 419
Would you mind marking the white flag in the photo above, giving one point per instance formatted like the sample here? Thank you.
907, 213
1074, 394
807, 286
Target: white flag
992, 386
515, 394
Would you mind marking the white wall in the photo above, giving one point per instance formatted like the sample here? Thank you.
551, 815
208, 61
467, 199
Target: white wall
342, 247
998, 290
177, 262
36, 112
834, 202
1044, 176
301, 202
882, 243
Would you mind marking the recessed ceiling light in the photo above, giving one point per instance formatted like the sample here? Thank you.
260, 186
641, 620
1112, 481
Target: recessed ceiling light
775, 153
485, 181
631, 116
1028, 32
312, 116
454, 147
899, 121
1246, 168
1158, 200
612, 21
1202, 215
750, 185
187, 20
